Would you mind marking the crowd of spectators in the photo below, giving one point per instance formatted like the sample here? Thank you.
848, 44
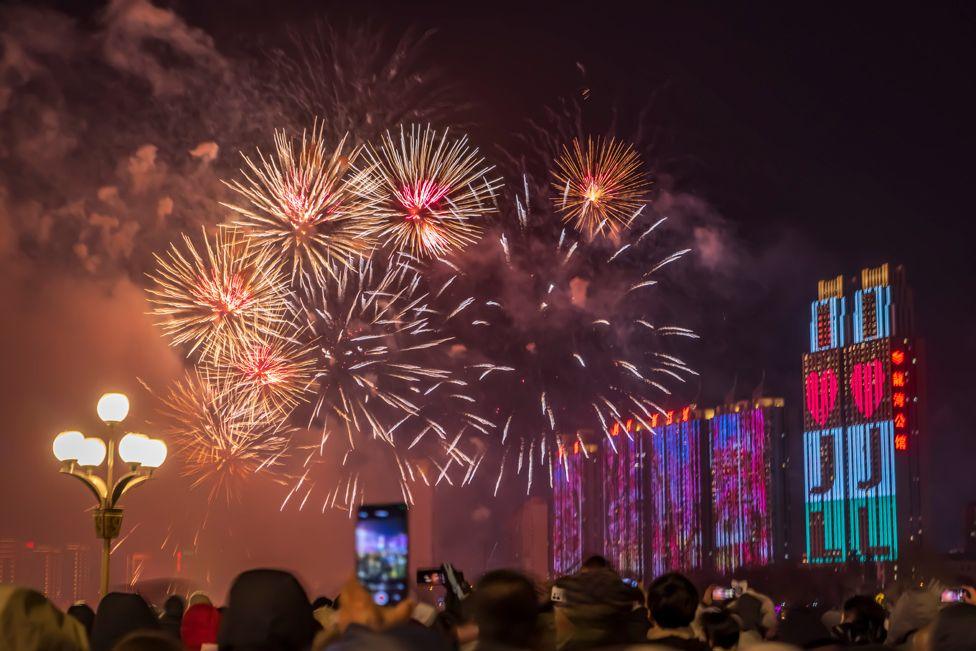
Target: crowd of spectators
595, 608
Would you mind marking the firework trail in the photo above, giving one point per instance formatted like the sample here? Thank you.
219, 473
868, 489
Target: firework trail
220, 299
308, 204
381, 392
578, 345
438, 191
221, 435
600, 187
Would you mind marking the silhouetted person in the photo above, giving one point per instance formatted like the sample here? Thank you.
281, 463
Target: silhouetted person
592, 610
721, 629
672, 601
200, 625
84, 614
595, 562
120, 613
863, 622
267, 610
505, 608
172, 615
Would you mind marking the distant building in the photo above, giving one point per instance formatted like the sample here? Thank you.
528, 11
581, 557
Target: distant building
46, 571
861, 461
9, 552
749, 489
80, 584
689, 490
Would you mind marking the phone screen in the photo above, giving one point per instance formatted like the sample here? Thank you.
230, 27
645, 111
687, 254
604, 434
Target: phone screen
434, 576
953, 596
723, 594
381, 551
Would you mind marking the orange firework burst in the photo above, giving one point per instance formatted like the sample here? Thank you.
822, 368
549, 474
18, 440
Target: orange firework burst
220, 435
600, 187
218, 300
277, 371
308, 203
438, 189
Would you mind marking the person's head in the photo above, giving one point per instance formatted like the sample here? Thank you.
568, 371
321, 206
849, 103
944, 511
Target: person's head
84, 614
592, 610
173, 606
672, 601
266, 610
148, 641
29, 622
721, 629
120, 613
200, 625
954, 629
595, 562
198, 597
505, 608
863, 621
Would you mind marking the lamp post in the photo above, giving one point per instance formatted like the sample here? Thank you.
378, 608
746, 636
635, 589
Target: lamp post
81, 456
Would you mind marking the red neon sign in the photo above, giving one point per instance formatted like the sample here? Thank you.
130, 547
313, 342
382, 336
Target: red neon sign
899, 401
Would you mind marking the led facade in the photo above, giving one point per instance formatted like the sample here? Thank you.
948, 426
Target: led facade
860, 472
748, 492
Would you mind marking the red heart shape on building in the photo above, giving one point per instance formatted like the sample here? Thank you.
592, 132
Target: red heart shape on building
867, 386
821, 394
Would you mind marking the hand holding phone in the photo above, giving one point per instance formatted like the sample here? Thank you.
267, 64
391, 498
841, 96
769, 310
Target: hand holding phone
381, 551
723, 594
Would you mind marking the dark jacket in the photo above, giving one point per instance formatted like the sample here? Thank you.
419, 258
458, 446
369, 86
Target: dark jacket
119, 614
267, 610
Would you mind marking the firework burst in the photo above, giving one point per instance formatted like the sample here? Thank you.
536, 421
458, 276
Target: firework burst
575, 349
277, 371
600, 187
438, 191
220, 299
380, 392
221, 435
308, 204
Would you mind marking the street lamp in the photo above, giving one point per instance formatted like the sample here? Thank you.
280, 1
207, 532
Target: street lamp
81, 455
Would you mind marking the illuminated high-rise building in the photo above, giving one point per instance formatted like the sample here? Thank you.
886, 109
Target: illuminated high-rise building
860, 439
750, 522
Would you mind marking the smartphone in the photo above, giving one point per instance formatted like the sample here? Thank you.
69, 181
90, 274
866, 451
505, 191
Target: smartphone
953, 596
431, 576
723, 594
631, 582
381, 551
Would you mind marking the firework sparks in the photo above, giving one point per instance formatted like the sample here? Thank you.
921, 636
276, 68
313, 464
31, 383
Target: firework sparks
599, 188
438, 191
220, 435
575, 352
377, 386
277, 371
308, 204
218, 300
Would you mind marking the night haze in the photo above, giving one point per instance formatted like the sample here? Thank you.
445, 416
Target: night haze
784, 146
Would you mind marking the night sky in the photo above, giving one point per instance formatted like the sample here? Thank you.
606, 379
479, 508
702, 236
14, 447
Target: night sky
787, 146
